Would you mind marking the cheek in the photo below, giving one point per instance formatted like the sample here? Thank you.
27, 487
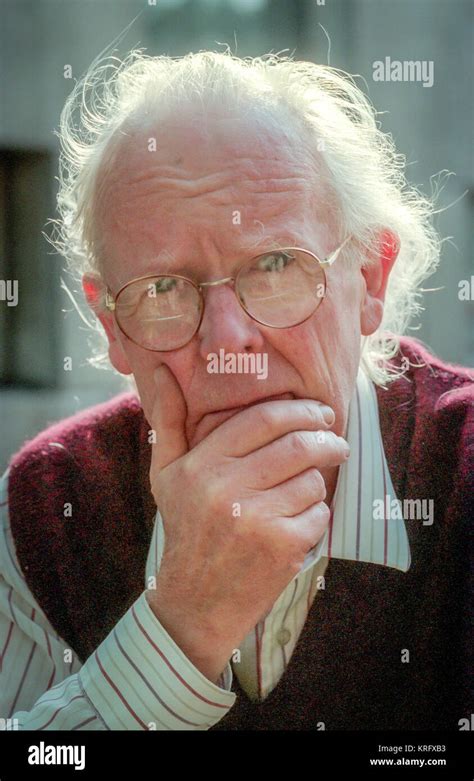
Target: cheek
329, 342
336, 324
144, 364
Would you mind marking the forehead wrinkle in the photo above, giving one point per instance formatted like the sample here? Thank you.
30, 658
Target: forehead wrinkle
136, 191
138, 216
184, 186
218, 187
285, 166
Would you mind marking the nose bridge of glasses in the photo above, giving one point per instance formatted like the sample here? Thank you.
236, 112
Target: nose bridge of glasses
222, 281
231, 281
217, 283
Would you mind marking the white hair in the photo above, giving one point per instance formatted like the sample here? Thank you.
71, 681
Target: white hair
366, 176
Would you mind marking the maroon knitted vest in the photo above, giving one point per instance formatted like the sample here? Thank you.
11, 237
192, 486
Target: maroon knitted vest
82, 516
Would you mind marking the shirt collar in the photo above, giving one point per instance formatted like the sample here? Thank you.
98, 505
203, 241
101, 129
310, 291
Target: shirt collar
363, 526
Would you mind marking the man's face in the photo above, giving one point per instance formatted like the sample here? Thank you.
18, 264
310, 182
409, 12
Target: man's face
173, 210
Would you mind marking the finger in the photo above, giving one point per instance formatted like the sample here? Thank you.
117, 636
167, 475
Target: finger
291, 454
293, 496
168, 419
260, 424
309, 526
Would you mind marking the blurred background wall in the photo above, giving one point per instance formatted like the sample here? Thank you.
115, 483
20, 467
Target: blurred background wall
39, 38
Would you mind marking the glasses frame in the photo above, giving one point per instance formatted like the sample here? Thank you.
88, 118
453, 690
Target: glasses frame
111, 300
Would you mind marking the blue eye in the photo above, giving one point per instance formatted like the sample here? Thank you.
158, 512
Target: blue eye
277, 261
165, 284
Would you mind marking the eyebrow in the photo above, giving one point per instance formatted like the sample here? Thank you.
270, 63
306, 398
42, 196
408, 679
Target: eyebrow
269, 243
263, 245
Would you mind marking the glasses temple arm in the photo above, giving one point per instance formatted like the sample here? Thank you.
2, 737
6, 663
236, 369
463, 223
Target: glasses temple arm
333, 256
109, 301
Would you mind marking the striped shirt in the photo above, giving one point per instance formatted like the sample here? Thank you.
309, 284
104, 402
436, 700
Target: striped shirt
139, 678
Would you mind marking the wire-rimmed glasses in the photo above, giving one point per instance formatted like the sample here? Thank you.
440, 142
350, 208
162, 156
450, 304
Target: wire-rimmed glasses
280, 288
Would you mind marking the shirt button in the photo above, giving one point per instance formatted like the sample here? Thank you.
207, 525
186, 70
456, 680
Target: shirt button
283, 636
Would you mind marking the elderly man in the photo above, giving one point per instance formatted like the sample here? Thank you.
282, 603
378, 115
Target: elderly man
227, 548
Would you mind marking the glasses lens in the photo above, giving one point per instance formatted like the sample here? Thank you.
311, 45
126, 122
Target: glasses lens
159, 313
282, 288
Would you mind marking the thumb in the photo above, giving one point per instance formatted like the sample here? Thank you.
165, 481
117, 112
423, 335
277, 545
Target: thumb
168, 419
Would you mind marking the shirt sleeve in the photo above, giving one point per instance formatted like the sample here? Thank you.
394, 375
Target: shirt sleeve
137, 679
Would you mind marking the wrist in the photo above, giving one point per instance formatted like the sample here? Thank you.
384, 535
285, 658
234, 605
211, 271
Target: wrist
206, 650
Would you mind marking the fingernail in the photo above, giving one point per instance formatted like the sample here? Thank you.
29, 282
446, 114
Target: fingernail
328, 414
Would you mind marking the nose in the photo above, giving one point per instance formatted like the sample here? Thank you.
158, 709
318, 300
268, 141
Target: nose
225, 325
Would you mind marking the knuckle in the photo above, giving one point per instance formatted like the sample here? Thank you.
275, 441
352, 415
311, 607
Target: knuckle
317, 483
215, 499
321, 514
324, 510
298, 442
312, 531
189, 468
315, 414
264, 417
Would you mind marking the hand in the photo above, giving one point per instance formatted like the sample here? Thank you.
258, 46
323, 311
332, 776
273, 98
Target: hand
240, 512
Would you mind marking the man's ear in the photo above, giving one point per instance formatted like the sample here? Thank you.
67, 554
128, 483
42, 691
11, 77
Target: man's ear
94, 292
376, 275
